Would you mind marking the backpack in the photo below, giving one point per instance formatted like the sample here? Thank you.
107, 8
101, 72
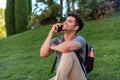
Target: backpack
87, 64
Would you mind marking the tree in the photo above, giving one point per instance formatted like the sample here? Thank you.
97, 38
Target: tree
92, 9
73, 5
117, 5
21, 15
16, 16
2, 24
10, 18
68, 6
50, 13
61, 8
29, 7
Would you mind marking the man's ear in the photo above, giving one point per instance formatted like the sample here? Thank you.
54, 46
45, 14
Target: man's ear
76, 27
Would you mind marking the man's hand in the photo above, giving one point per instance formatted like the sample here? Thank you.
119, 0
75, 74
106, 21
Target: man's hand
54, 29
45, 48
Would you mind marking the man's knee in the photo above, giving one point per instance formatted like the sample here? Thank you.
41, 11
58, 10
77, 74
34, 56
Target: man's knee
69, 55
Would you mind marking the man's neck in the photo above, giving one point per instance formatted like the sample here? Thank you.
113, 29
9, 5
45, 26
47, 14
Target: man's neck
69, 37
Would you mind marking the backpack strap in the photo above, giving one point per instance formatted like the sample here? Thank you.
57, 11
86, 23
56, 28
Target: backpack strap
53, 67
82, 64
86, 52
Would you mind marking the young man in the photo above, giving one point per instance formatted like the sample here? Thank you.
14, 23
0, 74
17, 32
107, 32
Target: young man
69, 67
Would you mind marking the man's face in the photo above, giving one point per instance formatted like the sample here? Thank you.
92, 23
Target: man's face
69, 24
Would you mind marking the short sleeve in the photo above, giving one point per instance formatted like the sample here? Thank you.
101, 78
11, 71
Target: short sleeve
54, 40
57, 40
81, 40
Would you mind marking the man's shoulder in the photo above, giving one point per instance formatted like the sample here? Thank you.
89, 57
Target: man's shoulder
80, 37
81, 40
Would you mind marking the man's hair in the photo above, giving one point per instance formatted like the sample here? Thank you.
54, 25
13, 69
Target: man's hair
78, 19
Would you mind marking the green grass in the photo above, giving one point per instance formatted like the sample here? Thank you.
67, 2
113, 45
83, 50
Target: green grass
19, 54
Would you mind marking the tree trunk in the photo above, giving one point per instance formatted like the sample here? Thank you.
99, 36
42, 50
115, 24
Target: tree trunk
73, 7
68, 5
61, 7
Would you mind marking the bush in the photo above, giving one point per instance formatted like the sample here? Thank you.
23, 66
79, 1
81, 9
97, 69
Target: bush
2, 31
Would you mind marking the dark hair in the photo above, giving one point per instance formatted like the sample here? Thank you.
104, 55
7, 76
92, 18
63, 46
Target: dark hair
78, 19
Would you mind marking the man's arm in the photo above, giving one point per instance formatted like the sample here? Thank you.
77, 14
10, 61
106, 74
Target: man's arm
67, 46
45, 49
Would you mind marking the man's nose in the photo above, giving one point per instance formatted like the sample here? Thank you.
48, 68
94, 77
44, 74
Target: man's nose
64, 22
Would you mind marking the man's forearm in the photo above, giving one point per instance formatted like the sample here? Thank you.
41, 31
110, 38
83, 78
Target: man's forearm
63, 47
46, 46
45, 49
67, 46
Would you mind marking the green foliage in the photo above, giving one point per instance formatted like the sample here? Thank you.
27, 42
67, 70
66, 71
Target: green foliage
2, 15
2, 31
21, 15
89, 9
45, 14
68, 5
2, 24
29, 7
16, 16
19, 54
10, 18
117, 5
49, 15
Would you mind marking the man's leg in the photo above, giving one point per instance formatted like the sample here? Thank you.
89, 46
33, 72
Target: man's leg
69, 68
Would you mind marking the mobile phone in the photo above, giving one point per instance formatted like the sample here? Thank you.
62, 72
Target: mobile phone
60, 28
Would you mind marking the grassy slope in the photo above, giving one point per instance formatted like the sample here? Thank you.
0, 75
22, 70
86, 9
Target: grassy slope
19, 54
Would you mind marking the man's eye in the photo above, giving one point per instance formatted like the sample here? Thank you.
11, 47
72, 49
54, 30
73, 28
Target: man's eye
70, 21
